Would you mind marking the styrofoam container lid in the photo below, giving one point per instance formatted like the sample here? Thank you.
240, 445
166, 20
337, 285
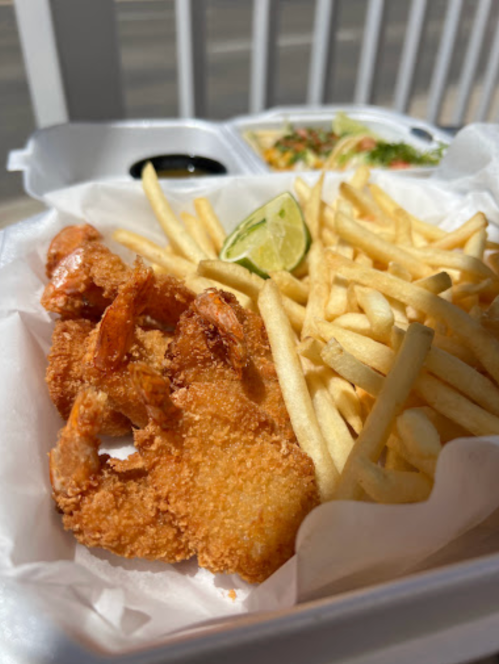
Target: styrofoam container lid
72, 153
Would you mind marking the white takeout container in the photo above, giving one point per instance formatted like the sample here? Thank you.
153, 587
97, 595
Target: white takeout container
67, 154
448, 614
389, 125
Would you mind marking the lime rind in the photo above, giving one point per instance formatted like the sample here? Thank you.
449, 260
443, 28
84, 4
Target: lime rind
273, 237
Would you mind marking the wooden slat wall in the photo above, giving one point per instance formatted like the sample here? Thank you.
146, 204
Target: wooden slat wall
410, 51
37, 36
443, 61
370, 52
326, 14
190, 18
263, 54
58, 83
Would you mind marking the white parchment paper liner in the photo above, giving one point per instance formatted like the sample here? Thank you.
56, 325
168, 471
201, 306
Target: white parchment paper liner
116, 603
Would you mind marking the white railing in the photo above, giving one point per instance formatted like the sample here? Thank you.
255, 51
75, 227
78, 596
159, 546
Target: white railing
53, 83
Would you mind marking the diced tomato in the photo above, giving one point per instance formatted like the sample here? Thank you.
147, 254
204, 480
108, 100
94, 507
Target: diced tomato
366, 144
398, 163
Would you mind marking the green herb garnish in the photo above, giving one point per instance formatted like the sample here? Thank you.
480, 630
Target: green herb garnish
386, 154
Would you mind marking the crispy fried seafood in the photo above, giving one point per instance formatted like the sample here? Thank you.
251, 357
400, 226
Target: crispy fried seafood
218, 472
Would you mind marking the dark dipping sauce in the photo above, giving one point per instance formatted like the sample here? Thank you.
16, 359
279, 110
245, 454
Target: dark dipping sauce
179, 166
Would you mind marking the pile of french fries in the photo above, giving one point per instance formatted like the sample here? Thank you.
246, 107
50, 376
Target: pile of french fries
385, 339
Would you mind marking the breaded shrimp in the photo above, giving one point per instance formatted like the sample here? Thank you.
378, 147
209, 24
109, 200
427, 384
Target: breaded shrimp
65, 374
110, 503
84, 354
87, 280
243, 486
65, 242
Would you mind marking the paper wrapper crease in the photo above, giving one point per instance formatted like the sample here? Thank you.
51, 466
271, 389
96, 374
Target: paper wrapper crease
116, 603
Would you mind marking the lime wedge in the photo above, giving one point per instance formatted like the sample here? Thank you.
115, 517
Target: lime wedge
344, 125
273, 237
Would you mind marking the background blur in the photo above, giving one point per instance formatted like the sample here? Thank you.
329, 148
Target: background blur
148, 54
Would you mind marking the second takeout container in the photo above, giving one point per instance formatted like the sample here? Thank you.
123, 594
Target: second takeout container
389, 125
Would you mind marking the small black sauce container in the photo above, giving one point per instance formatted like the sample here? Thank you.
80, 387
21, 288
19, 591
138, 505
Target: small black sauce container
179, 166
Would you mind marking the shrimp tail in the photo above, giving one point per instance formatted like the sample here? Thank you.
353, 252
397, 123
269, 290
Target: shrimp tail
154, 391
74, 462
118, 322
213, 307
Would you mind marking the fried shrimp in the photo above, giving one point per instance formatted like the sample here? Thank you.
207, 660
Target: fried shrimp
87, 280
65, 242
110, 503
242, 486
218, 472
84, 353
66, 376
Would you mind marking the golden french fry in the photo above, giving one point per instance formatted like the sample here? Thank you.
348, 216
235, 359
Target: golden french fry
336, 434
462, 291
389, 206
399, 313
397, 270
318, 290
455, 348
291, 286
365, 204
364, 259
328, 237
460, 375
396, 388
344, 248
212, 223
196, 229
377, 310
312, 208
392, 486
475, 246
365, 349
403, 234
447, 430
420, 440
356, 323
238, 277
311, 349
303, 192
437, 283
442, 398
454, 260
352, 303
393, 459
294, 388
176, 265
173, 229
469, 331
377, 248
348, 366
345, 207
346, 400
337, 302
361, 177
461, 235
